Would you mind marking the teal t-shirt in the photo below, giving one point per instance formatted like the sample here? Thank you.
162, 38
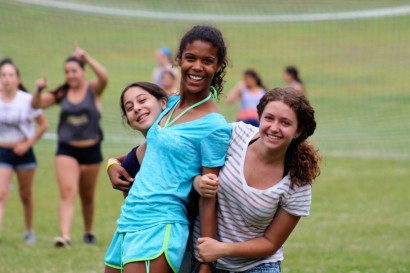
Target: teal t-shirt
174, 156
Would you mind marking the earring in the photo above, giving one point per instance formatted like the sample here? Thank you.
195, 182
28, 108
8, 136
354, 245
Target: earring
296, 137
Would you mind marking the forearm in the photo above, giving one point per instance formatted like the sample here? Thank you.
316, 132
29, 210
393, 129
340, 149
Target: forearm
98, 69
208, 216
255, 248
36, 99
42, 128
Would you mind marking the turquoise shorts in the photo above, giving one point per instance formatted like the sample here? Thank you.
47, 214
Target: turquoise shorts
148, 244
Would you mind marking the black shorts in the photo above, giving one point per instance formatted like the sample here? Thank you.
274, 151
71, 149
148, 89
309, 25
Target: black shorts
83, 155
10, 160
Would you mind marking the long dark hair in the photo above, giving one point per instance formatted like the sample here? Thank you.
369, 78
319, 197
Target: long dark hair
9, 61
293, 71
302, 158
61, 91
214, 36
254, 75
151, 88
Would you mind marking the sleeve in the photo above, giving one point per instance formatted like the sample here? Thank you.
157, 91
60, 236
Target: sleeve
214, 147
297, 200
34, 113
130, 163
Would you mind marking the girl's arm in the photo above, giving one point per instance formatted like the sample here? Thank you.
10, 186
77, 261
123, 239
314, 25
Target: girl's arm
117, 174
207, 214
100, 83
275, 236
23, 147
235, 94
42, 100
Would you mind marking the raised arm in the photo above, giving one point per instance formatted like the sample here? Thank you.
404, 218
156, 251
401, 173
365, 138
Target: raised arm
235, 94
101, 81
275, 236
42, 100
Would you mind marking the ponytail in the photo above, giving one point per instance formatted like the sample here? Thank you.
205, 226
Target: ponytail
302, 161
60, 92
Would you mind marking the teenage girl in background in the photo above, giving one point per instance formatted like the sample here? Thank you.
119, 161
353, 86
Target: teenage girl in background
17, 136
292, 78
169, 82
164, 63
265, 185
190, 137
78, 156
248, 92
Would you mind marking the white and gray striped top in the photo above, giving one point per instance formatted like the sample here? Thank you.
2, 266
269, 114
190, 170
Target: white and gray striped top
244, 213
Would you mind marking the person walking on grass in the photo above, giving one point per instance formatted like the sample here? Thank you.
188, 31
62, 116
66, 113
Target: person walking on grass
17, 137
78, 155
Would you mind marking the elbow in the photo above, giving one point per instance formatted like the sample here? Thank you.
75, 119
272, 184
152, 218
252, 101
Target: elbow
35, 105
45, 127
270, 248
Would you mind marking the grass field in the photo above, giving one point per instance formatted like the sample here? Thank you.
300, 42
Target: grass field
357, 78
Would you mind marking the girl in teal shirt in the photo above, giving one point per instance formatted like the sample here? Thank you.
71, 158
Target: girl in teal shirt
189, 138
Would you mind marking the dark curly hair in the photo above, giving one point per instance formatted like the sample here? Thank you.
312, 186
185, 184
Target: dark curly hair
302, 158
214, 36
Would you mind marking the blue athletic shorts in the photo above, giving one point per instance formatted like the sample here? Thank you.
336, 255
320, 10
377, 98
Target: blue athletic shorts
148, 244
10, 160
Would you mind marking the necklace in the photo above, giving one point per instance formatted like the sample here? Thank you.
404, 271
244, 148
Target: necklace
169, 122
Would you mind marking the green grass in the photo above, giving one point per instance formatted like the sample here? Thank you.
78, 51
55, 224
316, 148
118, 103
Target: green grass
359, 223
357, 78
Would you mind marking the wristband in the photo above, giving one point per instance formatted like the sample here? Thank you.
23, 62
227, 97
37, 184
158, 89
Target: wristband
110, 163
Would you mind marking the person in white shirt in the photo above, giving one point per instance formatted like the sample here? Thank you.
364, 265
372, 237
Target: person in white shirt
17, 136
264, 186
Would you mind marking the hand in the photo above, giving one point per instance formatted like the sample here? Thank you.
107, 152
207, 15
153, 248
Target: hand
209, 249
119, 178
208, 185
41, 83
204, 268
22, 148
79, 53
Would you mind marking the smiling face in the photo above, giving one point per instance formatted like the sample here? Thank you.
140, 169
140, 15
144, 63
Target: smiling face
9, 78
199, 63
278, 126
142, 108
74, 74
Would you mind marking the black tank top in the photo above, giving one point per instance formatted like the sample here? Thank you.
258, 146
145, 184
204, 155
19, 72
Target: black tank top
79, 121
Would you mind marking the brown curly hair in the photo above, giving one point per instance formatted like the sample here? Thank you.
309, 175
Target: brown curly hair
302, 158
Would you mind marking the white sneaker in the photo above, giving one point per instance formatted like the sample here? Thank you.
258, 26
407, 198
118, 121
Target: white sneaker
30, 237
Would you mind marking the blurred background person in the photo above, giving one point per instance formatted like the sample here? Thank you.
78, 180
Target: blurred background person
164, 62
17, 136
292, 78
248, 92
169, 82
78, 156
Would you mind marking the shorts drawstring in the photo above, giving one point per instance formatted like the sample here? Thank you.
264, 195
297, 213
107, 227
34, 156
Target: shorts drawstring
147, 266
122, 249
